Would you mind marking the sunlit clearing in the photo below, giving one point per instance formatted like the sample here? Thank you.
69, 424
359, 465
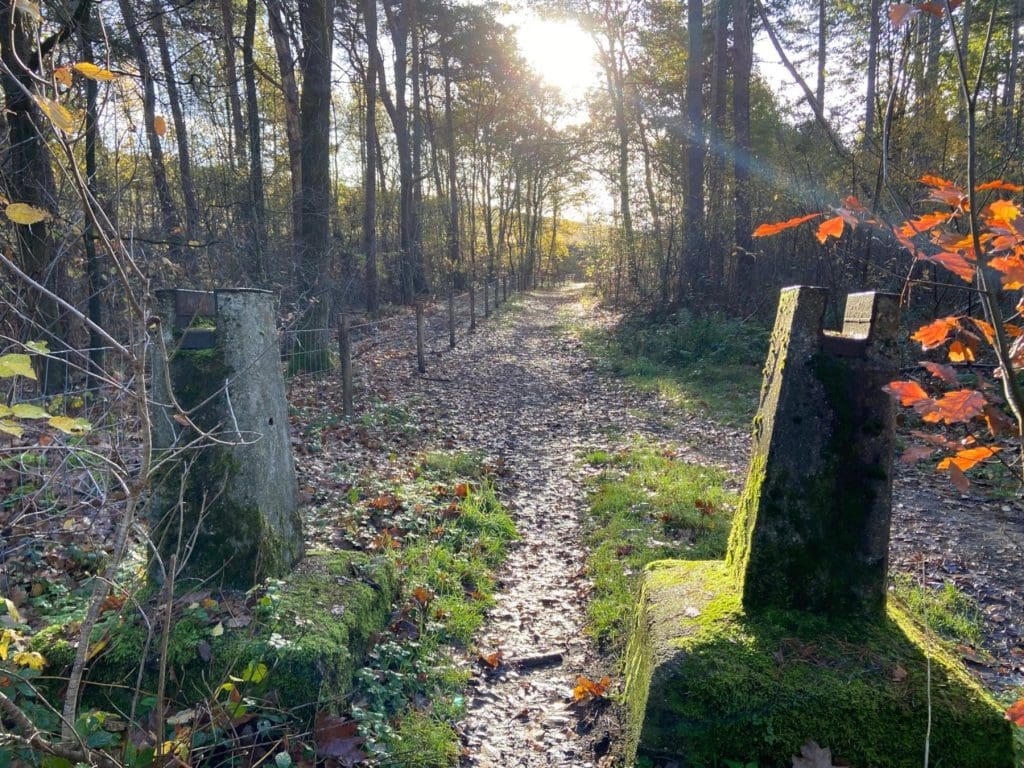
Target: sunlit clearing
559, 51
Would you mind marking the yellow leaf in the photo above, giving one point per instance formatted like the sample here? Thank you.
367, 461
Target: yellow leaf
93, 72
23, 213
16, 365
29, 7
59, 115
5, 645
255, 673
12, 610
159, 125
25, 411
10, 428
31, 659
95, 648
218, 630
63, 76
69, 426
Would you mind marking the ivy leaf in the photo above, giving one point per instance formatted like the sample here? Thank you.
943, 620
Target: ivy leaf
23, 213
70, 426
26, 411
16, 365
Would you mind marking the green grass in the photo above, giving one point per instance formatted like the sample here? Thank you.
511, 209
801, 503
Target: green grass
647, 506
708, 364
946, 610
449, 544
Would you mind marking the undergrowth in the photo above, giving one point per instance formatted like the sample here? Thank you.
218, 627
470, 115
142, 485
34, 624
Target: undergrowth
708, 363
946, 610
449, 535
647, 505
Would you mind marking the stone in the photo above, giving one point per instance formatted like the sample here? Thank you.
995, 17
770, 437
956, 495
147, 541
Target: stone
225, 503
812, 527
790, 638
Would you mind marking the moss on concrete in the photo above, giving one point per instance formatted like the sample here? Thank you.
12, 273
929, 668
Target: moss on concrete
733, 686
328, 610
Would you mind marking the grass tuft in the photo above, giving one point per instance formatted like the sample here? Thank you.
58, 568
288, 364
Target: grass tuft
646, 506
946, 610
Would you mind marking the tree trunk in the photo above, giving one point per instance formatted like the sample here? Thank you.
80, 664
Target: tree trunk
227, 14
819, 90
370, 171
290, 92
874, 29
693, 203
168, 210
1010, 91
742, 65
717, 162
454, 253
188, 189
93, 269
316, 18
257, 199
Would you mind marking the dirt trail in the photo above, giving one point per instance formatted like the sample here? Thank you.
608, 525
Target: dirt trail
524, 391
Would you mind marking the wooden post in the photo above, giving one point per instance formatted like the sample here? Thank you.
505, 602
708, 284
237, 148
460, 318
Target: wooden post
451, 316
345, 348
472, 307
421, 359
345, 352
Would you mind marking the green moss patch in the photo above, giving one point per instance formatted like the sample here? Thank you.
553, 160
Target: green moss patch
707, 683
646, 506
311, 631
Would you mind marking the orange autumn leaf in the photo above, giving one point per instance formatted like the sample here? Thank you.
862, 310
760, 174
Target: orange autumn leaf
1003, 211
938, 8
831, 228
159, 125
944, 373
924, 223
1015, 713
900, 12
956, 407
422, 595
492, 660
462, 490
968, 458
767, 230
956, 264
908, 392
588, 689
960, 353
1003, 186
986, 329
958, 478
915, 453
998, 422
63, 76
935, 334
1012, 270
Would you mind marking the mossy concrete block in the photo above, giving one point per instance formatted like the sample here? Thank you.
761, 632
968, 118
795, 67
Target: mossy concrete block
706, 682
812, 527
321, 625
226, 503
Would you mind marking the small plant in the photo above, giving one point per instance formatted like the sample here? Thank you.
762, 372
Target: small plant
946, 610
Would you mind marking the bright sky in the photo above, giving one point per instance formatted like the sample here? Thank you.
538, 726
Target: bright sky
560, 51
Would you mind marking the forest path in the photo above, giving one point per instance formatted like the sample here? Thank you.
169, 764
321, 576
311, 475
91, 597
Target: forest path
525, 392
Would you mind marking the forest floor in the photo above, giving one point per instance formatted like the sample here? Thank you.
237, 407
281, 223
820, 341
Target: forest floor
524, 391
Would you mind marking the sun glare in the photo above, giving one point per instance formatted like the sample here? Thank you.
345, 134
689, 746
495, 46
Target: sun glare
560, 52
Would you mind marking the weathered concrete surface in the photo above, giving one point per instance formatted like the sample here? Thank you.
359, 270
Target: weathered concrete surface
226, 503
812, 529
707, 681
